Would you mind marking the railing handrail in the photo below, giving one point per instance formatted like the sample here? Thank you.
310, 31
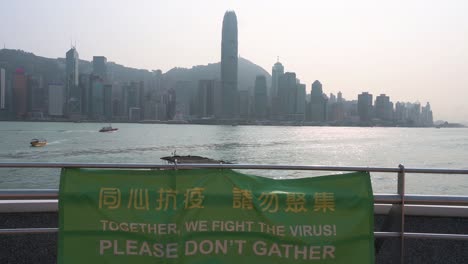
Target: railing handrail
399, 201
225, 166
380, 198
48, 230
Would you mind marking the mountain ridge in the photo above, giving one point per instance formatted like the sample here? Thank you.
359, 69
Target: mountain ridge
53, 70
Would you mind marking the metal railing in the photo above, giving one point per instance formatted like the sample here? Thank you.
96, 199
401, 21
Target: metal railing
399, 202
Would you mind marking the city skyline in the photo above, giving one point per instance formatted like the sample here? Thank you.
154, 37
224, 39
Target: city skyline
433, 72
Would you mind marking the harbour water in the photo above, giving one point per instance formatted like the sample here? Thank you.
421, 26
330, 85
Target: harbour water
296, 145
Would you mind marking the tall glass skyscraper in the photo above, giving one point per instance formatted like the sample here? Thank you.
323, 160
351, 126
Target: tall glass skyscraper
73, 93
276, 73
229, 66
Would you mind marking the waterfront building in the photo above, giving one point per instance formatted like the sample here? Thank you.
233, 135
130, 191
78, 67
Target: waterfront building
84, 84
383, 108
171, 104
260, 97
336, 112
134, 114
229, 61
332, 99
244, 104
36, 96
2, 89
318, 103
132, 95
161, 108
118, 111
300, 102
20, 93
108, 102
426, 115
365, 108
351, 113
286, 95
184, 92
206, 98
73, 93
96, 98
414, 114
6, 92
56, 95
335, 108
276, 72
401, 113
340, 97
100, 67
150, 94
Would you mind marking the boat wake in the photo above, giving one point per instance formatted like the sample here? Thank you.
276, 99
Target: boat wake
55, 142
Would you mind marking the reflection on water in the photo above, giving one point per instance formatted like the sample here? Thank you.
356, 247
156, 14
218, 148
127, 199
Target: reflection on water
146, 143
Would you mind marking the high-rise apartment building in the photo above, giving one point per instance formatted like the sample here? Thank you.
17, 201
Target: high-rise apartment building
383, 107
365, 109
426, 115
318, 103
260, 97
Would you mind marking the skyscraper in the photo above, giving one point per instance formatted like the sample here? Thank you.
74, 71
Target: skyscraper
229, 65
56, 100
2, 89
260, 97
365, 109
300, 102
206, 98
100, 67
73, 93
287, 86
318, 103
20, 91
276, 72
383, 107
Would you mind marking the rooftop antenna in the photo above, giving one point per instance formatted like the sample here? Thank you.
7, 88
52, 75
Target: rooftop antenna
277, 58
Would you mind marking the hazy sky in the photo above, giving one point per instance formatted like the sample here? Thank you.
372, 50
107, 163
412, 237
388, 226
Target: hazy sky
410, 50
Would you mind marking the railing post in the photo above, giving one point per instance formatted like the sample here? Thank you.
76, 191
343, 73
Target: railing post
401, 192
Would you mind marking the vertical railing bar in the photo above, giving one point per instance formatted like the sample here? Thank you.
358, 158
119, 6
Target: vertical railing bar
401, 192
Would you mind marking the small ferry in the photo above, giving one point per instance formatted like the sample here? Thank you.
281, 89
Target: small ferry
108, 129
38, 142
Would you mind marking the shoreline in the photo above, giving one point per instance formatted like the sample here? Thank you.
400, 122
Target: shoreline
240, 123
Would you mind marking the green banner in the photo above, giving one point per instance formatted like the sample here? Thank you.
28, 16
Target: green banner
213, 216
